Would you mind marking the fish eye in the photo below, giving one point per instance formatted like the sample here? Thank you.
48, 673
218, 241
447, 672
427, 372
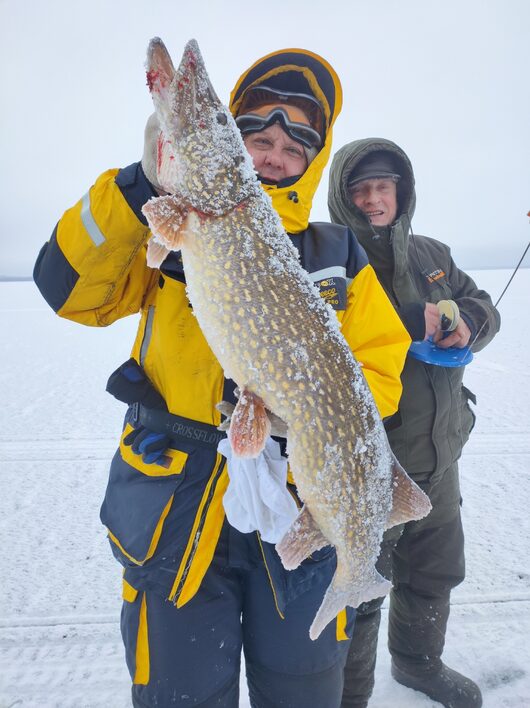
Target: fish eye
221, 118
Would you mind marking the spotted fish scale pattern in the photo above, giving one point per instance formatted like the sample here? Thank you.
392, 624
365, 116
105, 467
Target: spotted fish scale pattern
275, 336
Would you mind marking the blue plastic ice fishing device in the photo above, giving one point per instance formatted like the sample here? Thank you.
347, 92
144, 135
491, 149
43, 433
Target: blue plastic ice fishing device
429, 353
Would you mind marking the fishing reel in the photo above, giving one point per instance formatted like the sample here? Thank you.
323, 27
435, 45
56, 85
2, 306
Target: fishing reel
449, 315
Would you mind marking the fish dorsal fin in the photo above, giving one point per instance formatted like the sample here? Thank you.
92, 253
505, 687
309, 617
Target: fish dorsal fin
409, 502
249, 425
303, 538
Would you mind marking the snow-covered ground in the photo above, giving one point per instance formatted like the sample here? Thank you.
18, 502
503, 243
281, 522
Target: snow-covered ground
60, 591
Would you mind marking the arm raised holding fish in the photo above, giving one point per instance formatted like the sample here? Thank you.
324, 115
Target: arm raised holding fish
236, 287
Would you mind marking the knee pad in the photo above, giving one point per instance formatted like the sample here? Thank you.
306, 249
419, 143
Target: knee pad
270, 689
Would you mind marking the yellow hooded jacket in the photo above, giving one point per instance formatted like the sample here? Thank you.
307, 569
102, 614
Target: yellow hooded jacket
93, 270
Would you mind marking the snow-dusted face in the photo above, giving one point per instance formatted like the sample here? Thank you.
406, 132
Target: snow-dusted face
275, 154
377, 199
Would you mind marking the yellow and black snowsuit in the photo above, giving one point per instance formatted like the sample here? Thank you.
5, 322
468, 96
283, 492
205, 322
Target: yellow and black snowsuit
166, 524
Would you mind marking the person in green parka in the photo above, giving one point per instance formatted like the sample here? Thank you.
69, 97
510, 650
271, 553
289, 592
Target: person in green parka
371, 190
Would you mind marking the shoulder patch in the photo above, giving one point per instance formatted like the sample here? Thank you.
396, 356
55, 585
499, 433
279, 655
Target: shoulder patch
434, 275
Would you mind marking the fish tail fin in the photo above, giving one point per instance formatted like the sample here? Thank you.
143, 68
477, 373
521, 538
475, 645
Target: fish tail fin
337, 598
249, 425
302, 538
409, 502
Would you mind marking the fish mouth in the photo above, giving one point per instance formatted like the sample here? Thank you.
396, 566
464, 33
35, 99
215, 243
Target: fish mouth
195, 91
182, 97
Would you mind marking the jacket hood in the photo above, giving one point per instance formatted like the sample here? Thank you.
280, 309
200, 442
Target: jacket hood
341, 208
304, 72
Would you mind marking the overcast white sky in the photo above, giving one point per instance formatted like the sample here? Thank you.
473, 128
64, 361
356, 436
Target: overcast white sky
448, 81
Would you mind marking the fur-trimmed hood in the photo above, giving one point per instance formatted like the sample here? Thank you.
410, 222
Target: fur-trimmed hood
341, 207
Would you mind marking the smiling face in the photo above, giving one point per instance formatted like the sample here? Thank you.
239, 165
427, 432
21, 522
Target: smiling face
276, 156
377, 199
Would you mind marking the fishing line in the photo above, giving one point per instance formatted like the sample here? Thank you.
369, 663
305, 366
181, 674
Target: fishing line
514, 272
501, 295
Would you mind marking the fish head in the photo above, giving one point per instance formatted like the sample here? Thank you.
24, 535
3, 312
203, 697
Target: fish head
201, 154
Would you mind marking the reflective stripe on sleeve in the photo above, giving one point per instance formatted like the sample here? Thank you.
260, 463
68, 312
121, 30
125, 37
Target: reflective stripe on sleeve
147, 334
89, 222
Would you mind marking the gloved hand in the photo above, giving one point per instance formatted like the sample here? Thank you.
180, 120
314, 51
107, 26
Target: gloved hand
149, 158
130, 384
145, 442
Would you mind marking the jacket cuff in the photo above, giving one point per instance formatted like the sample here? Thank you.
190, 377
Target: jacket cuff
470, 324
136, 188
413, 317
393, 422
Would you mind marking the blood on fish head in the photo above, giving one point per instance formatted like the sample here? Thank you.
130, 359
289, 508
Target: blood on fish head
201, 154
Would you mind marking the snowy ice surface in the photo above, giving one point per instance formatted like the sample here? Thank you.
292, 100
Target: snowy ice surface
60, 592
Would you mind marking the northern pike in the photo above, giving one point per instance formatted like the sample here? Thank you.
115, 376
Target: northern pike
273, 335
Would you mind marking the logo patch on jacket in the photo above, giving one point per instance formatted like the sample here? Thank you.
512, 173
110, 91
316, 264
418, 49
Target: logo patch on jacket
436, 274
332, 285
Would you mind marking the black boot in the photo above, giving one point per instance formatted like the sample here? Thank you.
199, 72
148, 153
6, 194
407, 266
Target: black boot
448, 687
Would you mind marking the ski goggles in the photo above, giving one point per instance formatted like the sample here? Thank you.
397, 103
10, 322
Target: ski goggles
300, 115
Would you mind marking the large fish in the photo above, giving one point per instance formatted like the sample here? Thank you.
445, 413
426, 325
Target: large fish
273, 335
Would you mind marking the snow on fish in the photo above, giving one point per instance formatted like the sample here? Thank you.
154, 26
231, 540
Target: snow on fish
273, 335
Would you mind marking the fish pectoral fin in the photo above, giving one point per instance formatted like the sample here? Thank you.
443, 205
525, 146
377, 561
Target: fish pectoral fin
249, 425
303, 538
156, 253
337, 598
409, 502
165, 217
